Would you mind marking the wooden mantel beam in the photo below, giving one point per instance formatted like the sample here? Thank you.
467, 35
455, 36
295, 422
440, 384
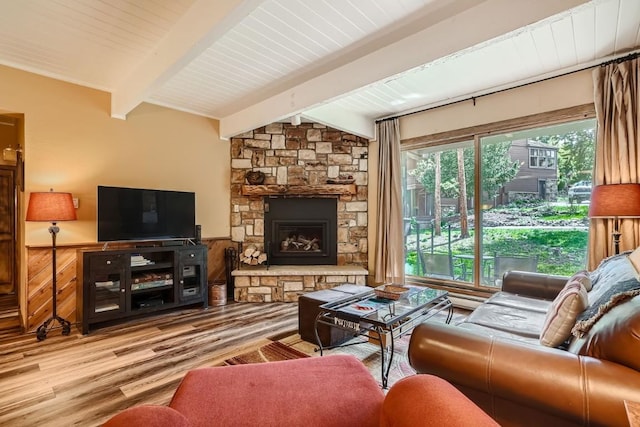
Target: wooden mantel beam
299, 190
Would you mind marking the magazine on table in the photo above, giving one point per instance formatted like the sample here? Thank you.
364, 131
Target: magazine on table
365, 307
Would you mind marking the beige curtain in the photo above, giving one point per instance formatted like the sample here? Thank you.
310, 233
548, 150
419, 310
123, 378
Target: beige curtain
617, 102
389, 242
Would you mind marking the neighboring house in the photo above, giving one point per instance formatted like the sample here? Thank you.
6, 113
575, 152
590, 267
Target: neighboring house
537, 177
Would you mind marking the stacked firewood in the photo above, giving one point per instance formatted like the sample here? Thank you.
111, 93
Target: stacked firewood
253, 256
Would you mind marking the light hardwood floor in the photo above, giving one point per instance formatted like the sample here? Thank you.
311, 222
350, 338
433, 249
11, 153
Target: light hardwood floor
81, 380
9, 315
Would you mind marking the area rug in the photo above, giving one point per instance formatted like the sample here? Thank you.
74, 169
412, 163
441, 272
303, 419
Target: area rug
271, 352
289, 345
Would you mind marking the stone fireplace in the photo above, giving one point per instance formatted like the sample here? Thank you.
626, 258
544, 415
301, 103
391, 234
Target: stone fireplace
306, 166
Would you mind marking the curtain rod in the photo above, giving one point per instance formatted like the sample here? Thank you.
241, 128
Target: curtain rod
621, 59
617, 59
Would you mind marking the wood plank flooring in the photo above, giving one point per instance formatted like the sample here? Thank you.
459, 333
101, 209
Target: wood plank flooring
81, 380
9, 315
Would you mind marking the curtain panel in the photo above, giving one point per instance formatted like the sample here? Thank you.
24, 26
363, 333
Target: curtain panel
389, 245
617, 103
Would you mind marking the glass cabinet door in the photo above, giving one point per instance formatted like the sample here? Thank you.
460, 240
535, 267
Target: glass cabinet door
106, 287
109, 294
191, 274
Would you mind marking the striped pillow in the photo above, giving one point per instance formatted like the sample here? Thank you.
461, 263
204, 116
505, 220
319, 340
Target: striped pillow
561, 316
582, 277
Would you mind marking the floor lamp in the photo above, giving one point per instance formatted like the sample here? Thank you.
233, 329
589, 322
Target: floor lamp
52, 207
615, 201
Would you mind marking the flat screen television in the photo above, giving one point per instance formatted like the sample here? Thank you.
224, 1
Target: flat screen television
141, 214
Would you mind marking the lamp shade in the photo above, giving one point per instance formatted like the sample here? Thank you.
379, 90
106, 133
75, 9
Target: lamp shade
51, 207
615, 201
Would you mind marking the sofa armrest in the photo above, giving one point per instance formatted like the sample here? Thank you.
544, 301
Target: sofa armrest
426, 400
536, 285
582, 389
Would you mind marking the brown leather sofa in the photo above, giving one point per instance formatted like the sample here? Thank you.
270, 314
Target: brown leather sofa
495, 357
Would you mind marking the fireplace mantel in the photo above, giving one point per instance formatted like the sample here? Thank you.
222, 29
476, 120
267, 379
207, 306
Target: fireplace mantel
298, 190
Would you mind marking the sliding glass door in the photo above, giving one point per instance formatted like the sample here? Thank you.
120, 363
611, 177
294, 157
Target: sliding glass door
515, 200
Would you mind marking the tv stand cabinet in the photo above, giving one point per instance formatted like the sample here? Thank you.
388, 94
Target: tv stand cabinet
117, 285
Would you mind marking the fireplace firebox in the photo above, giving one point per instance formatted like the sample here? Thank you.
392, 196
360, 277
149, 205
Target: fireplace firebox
301, 231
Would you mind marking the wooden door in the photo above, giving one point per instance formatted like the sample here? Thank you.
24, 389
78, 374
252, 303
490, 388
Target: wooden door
7, 231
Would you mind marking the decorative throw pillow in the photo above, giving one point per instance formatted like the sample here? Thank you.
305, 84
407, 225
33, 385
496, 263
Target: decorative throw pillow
562, 314
634, 259
617, 293
582, 277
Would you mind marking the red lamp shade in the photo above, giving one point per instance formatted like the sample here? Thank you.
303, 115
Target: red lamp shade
615, 201
51, 207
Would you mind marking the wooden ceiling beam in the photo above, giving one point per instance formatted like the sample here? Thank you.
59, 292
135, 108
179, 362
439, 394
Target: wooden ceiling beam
204, 23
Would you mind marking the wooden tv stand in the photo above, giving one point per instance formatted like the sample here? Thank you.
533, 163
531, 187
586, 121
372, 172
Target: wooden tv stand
116, 285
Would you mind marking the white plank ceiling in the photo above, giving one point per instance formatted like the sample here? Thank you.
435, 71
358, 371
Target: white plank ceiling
344, 63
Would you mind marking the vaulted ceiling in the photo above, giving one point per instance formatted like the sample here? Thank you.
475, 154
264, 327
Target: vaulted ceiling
343, 63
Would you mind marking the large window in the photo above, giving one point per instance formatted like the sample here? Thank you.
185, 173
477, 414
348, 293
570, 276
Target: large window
476, 207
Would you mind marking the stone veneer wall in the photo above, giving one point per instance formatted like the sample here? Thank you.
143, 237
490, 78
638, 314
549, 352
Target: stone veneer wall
287, 283
307, 154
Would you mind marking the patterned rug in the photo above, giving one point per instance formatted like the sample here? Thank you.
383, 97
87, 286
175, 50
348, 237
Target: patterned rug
271, 352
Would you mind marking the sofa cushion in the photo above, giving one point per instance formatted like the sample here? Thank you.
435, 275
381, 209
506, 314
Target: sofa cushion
508, 299
562, 314
492, 332
509, 319
615, 336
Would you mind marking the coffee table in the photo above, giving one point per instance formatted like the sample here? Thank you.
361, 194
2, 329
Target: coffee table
381, 319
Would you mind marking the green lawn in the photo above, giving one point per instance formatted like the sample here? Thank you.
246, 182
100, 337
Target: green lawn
559, 251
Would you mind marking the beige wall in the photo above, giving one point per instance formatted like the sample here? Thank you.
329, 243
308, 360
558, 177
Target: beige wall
554, 94
72, 144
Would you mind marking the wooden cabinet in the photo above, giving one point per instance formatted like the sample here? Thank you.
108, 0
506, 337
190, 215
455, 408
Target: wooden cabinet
121, 284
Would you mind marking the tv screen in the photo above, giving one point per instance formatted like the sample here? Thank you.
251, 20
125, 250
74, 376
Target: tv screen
140, 214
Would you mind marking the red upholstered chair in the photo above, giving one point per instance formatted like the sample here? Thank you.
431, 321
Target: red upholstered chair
149, 416
329, 391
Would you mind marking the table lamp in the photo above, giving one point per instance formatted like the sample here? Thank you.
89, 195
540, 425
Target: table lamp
52, 207
615, 201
